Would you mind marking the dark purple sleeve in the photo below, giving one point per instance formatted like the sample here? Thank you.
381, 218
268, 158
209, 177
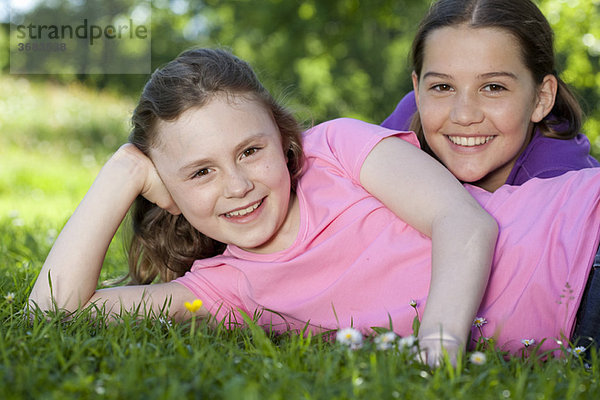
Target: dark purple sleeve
546, 157
400, 119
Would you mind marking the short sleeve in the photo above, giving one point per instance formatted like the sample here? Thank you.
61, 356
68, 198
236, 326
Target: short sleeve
347, 142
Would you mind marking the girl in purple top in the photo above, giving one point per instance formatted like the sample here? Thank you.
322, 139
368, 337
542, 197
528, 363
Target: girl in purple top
489, 105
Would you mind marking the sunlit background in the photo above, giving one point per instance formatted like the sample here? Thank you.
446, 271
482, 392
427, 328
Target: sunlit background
325, 59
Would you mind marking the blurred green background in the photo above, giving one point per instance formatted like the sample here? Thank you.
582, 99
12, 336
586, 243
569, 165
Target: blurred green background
325, 59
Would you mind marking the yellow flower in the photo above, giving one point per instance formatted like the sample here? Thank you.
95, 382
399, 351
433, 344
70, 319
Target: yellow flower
193, 306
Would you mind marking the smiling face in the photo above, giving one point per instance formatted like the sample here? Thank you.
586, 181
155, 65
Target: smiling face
477, 102
225, 168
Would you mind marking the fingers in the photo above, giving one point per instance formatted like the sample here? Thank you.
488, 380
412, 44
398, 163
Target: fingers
156, 192
153, 188
169, 205
433, 350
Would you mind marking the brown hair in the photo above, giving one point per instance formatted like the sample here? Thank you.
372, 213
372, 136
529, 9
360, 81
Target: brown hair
164, 246
522, 19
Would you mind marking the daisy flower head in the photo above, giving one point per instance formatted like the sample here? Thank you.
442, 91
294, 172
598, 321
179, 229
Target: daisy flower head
479, 322
577, 351
10, 297
407, 341
528, 342
478, 358
413, 303
386, 340
349, 337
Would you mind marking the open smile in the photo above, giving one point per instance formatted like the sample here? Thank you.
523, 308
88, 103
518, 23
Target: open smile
470, 141
243, 211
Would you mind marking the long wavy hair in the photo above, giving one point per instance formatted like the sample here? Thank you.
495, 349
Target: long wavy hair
163, 246
522, 19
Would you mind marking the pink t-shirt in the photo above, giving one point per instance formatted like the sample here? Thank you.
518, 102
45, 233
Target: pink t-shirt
354, 263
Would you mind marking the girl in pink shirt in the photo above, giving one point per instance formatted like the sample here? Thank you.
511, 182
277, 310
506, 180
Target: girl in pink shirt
216, 164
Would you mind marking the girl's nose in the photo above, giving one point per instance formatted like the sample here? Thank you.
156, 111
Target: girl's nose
237, 183
466, 110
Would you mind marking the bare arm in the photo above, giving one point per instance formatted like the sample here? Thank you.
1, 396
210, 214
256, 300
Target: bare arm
75, 260
427, 196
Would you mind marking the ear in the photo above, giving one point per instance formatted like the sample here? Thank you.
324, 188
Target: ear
415, 82
546, 95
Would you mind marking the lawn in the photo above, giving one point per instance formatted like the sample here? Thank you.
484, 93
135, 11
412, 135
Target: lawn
50, 152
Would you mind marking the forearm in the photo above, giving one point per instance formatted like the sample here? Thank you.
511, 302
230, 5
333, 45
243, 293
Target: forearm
463, 247
70, 273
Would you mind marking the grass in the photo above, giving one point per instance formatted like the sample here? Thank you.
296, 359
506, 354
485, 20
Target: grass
43, 174
49, 358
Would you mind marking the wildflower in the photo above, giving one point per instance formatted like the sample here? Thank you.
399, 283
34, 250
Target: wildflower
479, 322
528, 342
350, 337
416, 321
478, 358
408, 341
385, 341
194, 306
10, 297
577, 351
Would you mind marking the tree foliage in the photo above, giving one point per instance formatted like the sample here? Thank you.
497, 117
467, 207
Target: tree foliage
341, 57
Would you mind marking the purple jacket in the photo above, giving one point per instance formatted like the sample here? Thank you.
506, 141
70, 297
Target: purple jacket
544, 157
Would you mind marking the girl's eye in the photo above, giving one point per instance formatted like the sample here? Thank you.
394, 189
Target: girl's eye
442, 87
493, 87
202, 172
250, 151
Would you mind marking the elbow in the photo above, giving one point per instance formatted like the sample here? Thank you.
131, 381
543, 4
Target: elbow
490, 225
472, 224
37, 303
484, 225
484, 232
45, 297
41, 301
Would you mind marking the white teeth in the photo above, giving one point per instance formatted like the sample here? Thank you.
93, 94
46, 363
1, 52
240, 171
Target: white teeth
470, 141
243, 212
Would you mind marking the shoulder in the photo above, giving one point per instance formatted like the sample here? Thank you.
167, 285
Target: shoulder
351, 132
343, 125
340, 146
